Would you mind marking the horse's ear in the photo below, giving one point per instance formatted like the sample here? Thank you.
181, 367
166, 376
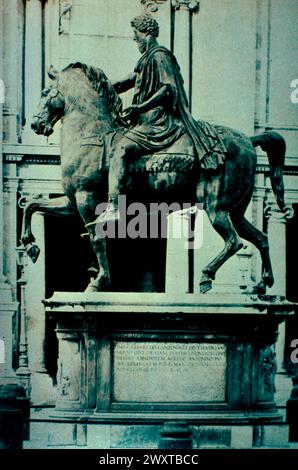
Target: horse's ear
53, 73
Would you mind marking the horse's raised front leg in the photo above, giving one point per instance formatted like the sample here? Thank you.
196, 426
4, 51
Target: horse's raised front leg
59, 207
224, 227
86, 204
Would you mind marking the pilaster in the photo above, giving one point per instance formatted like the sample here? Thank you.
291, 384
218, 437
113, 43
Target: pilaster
7, 306
33, 66
183, 11
277, 246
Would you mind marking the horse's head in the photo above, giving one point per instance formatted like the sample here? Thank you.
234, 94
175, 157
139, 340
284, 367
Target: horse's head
50, 108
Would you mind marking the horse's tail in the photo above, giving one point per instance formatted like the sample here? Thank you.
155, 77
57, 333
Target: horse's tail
275, 146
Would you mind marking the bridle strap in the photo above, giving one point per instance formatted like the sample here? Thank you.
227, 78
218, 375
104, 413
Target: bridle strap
39, 115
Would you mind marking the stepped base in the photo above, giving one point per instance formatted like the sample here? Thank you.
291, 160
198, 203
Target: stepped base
56, 435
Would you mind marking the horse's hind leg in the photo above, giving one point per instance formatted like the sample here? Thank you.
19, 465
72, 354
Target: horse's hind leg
260, 240
86, 204
223, 225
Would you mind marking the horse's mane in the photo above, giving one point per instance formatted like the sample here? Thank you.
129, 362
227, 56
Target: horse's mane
97, 78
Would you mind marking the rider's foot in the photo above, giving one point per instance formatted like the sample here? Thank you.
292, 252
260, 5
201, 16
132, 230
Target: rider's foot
110, 214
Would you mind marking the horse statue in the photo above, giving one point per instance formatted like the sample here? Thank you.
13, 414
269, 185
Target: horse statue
88, 106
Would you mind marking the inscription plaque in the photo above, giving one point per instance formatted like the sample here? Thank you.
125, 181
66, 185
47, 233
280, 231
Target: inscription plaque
147, 371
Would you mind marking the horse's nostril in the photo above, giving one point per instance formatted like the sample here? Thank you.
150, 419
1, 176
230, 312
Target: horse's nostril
33, 126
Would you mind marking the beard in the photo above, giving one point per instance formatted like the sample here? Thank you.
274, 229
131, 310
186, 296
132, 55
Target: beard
142, 45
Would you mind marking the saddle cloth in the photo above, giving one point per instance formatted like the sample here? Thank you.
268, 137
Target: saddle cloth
178, 157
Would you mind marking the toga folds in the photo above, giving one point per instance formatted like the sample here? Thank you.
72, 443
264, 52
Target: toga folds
161, 126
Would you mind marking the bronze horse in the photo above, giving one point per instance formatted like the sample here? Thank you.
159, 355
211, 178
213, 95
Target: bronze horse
88, 105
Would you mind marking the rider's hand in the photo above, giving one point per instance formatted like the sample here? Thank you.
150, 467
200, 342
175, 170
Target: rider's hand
130, 114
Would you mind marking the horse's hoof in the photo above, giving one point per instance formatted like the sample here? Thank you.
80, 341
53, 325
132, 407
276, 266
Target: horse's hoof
98, 285
92, 288
205, 286
259, 289
268, 280
33, 252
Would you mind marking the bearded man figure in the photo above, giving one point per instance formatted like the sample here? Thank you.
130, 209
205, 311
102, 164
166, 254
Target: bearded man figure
158, 116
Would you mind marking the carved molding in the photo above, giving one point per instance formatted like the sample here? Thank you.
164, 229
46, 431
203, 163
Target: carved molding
11, 185
65, 7
35, 186
288, 170
33, 159
273, 213
69, 372
151, 6
191, 5
12, 158
268, 369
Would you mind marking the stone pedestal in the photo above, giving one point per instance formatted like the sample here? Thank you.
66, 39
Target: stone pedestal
14, 408
175, 435
292, 411
131, 358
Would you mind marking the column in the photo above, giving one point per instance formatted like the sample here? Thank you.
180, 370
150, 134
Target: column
262, 65
41, 384
35, 293
177, 261
10, 233
23, 371
11, 68
7, 307
183, 38
258, 222
33, 67
2, 280
277, 247
178, 253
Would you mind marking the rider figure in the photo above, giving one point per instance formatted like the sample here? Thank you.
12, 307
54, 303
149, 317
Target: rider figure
159, 113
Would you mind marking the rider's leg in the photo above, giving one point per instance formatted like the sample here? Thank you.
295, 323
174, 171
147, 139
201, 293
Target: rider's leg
125, 149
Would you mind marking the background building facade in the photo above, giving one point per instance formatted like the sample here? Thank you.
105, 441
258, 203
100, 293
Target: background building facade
239, 62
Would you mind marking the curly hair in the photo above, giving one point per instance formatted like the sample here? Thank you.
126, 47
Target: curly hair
146, 24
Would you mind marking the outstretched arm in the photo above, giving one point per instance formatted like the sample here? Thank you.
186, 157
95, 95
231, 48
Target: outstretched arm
126, 84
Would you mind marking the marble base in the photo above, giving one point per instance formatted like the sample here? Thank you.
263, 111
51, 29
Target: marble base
206, 359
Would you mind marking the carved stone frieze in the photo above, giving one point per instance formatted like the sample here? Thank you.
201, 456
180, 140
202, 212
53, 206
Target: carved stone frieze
268, 369
69, 382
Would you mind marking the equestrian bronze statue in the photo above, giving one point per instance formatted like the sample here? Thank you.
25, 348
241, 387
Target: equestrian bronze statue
192, 162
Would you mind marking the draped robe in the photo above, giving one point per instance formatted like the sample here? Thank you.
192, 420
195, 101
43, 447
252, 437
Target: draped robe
162, 125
